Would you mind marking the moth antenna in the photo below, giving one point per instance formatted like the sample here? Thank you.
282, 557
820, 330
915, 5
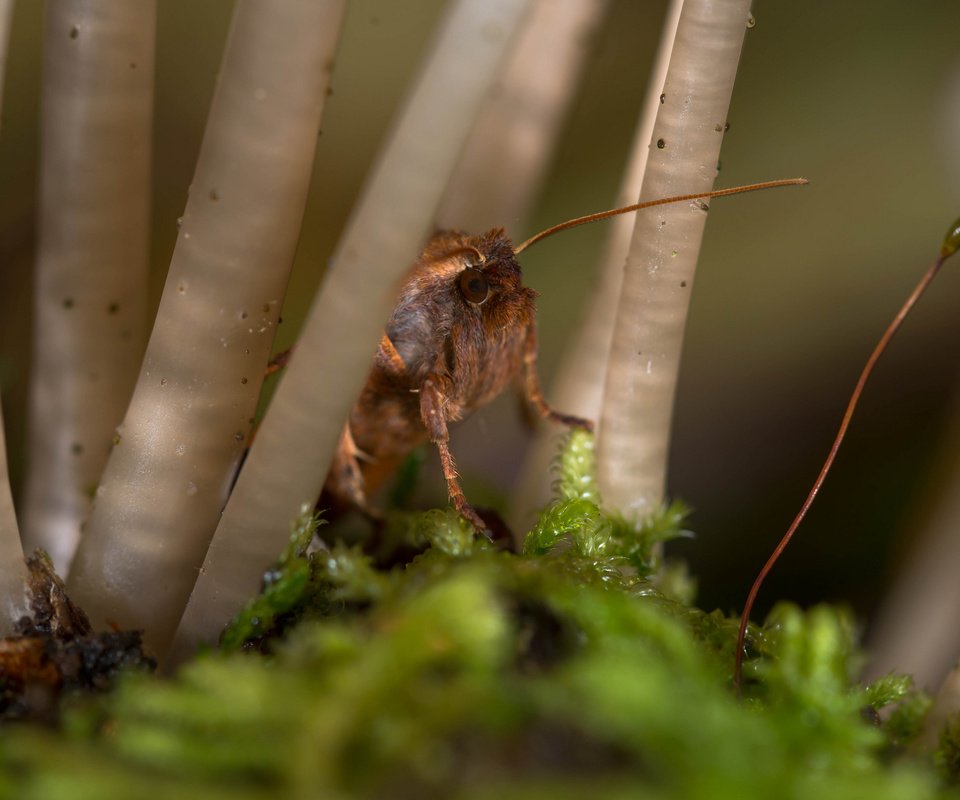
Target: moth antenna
613, 212
951, 243
459, 251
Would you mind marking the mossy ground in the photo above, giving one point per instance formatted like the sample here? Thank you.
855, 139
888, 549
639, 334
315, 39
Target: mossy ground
576, 668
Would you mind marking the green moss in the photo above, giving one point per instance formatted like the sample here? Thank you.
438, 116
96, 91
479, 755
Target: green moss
572, 669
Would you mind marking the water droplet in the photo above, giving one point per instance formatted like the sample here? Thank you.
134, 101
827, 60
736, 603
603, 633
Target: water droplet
179, 222
76, 448
726, 126
244, 315
182, 288
238, 436
243, 380
661, 144
214, 195
181, 449
74, 31
663, 99
751, 21
192, 488
163, 381
683, 284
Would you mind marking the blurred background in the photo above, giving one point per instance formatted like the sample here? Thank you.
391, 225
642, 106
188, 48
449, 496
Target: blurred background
794, 287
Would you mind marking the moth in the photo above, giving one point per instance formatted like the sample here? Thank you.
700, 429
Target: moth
463, 329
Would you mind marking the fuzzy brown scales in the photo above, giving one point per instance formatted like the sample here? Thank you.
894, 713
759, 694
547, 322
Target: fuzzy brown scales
463, 329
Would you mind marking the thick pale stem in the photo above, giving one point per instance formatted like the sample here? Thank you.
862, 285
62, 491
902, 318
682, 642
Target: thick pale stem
511, 144
91, 276
658, 278
916, 630
168, 476
578, 388
289, 460
13, 572
6, 17
946, 704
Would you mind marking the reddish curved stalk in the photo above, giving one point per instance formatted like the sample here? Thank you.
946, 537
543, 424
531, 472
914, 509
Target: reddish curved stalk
894, 326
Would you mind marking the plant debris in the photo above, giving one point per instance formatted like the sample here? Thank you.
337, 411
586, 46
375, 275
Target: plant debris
56, 652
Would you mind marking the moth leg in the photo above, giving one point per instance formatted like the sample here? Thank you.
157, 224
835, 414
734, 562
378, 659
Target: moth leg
388, 357
348, 479
432, 403
534, 392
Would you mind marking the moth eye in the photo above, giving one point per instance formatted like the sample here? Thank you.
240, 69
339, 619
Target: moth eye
473, 286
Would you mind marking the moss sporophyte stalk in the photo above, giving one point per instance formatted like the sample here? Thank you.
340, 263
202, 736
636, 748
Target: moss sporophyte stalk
575, 668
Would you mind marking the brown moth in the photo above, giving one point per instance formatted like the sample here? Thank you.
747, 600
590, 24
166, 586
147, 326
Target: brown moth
463, 329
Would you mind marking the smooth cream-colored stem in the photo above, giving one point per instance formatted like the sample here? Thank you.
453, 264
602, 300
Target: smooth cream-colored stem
13, 572
6, 17
288, 461
510, 146
658, 278
92, 256
578, 388
917, 629
174, 457
945, 705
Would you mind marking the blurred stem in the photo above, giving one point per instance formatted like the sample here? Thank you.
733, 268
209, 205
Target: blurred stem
288, 462
92, 260
916, 629
6, 17
946, 704
169, 473
513, 139
578, 388
13, 572
658, 278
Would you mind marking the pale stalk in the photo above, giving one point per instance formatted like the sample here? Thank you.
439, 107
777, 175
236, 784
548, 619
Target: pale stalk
289, 459
511, 144
13, 571
6, 17
945, 705
578, 387
917, 629
92, 256
658, 278
168, 476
